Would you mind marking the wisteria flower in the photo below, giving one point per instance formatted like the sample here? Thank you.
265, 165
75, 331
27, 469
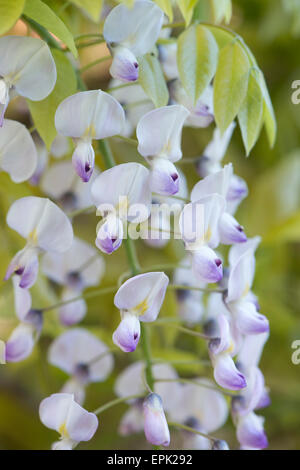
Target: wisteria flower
18, 156
120, 194
214, 152
86, 116
75, 269
155, 423
45, 228
61, 184
190, 302
242, 305
42, 160
159, 137
199, 228
27, 68
219, 183
139, 299
201, 114
222, 349
61, 413
140, 29
82, 356
135, 102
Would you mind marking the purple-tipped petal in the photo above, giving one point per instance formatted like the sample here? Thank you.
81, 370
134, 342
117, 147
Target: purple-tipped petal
155, 423
128, 333
20, 344
24, 264
250, 432
249, 321
164, 177
230, 230
110, 235
226, 373
124, 66
83, 160
207, 266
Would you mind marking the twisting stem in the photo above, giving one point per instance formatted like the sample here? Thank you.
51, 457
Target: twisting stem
117, 401
188, 331
90, 43
106, 153
194, 431
95, 62
89, 295
201, 289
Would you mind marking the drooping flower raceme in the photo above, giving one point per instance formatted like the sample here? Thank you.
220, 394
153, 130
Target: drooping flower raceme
199, 227
27, 68
86, 116
45, 228
139, 299
84, 357
239, 300
61, 413
130, 33
18, 156
159, 137
120, 194
79, 267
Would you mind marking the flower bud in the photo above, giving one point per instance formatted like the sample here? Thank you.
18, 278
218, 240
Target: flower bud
83, 160
206, 265
128, 333
155, 423
164, 178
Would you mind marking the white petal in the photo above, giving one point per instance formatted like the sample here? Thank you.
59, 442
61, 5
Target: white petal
164, 177
215, 183
60, 146
129, 180
132, 421
18, 155
76, 347
238, 250
216, 149
90, 114
28, 65
81, 258
140, 29
199, 221
124, 65
130, 380
72, 312
251, 350
41, 221
20, 343
22, 299
159, 132
143, 295
241, 277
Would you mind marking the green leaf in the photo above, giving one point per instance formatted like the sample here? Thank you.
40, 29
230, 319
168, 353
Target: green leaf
42, 14
10, 11
230, 84
269, 115
152, 80
43, 112
187, 9
166, 6
197, 58
222, 10
251, 113
286, 231
92, 7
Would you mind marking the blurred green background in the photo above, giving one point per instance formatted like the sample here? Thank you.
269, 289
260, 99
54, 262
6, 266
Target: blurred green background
271, 28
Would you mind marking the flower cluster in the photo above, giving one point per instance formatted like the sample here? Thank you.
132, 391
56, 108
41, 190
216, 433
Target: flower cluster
213, 291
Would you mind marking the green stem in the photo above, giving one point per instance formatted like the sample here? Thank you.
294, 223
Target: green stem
95, 62
127, 139
43, 33
90, 43
81, 211
104, 149
115, 402
89, 295
188, 331
123, 85
198, 384
194, 431
201, 289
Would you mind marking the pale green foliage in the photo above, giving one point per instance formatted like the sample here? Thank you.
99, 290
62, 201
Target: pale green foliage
230, 84
222, 10
10, 11
197, 60
166, 6
93, 8
152, 80
42, 14
187, 9
251, 113
43, 112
